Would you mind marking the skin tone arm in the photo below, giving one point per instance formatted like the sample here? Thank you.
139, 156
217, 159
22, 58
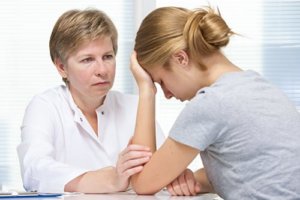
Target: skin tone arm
184, 184
145, 120
112, 179
189, 183
168, 162
201, 177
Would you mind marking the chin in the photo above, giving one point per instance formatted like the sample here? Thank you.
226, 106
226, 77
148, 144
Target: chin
179, 99
101, 93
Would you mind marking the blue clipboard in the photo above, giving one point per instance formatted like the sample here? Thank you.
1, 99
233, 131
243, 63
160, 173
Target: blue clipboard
29, 194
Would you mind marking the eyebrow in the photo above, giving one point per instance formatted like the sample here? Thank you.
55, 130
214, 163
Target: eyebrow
110, 51
89, 54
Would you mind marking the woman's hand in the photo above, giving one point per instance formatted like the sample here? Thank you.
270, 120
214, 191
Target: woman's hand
131, 161
184, 185
143, 79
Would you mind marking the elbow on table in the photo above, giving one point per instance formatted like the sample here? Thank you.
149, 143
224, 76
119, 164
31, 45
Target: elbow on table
143, 189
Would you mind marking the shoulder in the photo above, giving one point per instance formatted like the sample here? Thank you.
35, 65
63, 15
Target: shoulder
50, 93
200, 121
52, 96
203, 108
206, 102
45, 106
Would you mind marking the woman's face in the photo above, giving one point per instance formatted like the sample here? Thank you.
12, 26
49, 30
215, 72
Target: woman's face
174, 81
91, 69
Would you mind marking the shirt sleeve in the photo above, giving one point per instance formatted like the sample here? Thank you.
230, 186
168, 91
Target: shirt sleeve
40, 170
200, 122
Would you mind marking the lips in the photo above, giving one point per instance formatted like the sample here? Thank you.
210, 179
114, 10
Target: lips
101, 83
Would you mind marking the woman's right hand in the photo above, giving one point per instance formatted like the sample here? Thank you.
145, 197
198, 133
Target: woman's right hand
143, 79
184, 185
131, 161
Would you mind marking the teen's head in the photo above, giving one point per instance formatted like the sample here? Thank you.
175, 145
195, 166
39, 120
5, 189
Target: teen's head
174, 36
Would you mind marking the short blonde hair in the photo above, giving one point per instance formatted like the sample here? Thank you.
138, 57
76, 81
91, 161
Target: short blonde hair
170, 29
75, 27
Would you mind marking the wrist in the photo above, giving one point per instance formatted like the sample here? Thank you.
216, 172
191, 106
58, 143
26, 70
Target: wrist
119, 184
147, 91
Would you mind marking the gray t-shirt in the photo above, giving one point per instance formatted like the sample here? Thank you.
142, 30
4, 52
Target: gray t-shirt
248, 134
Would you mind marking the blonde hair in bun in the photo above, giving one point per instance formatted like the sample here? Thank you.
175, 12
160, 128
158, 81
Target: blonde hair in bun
169, 29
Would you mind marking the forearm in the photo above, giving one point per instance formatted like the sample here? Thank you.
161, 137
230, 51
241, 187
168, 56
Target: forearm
201, 177
104, 180
145, 121
145, 125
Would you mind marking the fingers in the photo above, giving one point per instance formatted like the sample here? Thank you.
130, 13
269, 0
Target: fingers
170, 189
134, 152
133, 166
136, 161
177, 188
133, 58
191, 182
185, 184
132, 159
134, 63
134, 147
197, 188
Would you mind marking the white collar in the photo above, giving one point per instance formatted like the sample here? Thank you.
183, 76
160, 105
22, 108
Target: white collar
78, 115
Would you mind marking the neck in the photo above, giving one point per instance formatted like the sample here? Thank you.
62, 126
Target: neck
216, 65
87, 105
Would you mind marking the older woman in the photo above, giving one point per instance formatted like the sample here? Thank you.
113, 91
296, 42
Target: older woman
76, 137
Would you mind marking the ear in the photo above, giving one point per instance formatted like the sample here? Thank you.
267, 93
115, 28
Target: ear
61, 68
181, 58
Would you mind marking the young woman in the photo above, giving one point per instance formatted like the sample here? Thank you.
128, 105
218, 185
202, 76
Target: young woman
75, 136
245, 129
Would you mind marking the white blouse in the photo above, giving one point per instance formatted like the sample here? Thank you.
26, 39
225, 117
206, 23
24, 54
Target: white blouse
58, 144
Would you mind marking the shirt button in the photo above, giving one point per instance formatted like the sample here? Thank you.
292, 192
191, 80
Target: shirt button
102, 112
81, 119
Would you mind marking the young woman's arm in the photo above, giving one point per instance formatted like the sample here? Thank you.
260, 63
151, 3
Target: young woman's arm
167, 163
145, 119
190, 183
172, 158
201, 177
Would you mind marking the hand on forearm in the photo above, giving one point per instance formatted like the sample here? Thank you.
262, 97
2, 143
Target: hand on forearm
189, 183
202, 179
112, 179
130, 162
185, 184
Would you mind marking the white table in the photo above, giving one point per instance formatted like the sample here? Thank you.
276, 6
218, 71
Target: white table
163, 195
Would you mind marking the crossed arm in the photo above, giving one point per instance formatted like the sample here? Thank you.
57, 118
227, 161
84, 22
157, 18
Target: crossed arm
169, 161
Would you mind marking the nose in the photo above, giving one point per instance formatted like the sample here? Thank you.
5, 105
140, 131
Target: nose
100, 69
167, 93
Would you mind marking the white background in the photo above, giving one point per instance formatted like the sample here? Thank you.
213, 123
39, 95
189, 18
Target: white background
269, 43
